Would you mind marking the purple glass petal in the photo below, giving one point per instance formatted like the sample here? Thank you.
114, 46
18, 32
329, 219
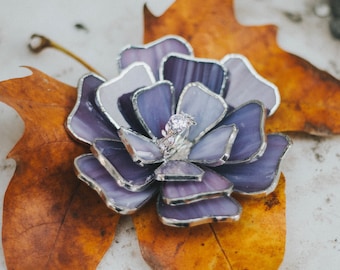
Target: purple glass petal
117, 161
141, 149
134, 77
246, 84
214, 148
177, 170
250, 142
85, 122
212, 185
262, 175
116, 198
181, 70
153, 53
154, 105
126, 108
206, 107
219, 209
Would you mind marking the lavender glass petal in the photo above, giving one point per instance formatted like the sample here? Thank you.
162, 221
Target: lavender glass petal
85, 122
114, 157
153, 53
246, 84
213, 149
108, 93
127, 110
250, 142
154, 105
181, 70
117, 198
262, 175
142, 149
206, 108
206, 211
212, 185
177, 170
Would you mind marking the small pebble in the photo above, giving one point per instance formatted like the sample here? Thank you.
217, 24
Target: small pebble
322, 10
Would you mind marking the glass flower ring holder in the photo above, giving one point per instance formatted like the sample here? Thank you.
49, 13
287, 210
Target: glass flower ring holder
188, 131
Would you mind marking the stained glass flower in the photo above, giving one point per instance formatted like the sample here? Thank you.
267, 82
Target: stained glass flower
187, 130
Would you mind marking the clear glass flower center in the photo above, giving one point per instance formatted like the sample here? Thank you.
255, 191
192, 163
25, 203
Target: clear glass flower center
174, 144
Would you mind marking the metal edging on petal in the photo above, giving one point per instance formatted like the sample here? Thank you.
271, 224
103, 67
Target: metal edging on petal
109, 110
257, 76
257, 154
121, 181
227, 147
76, 107
201, 220
182, 102
138, 113
191, 58
111, 202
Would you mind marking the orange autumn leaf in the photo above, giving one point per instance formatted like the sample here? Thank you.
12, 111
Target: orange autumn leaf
309, 97
51, 220
256, 241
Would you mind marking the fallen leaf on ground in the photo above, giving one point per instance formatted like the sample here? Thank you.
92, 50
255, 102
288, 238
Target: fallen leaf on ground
256, 241
309, 97
51, 220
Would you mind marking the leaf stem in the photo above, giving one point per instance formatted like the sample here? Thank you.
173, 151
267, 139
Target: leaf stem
40, 42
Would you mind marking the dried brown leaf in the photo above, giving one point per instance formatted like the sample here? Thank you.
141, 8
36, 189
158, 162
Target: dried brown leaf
50, 219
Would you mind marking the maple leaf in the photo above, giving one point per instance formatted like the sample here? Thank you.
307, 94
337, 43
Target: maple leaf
256, 241
51, 220
309, 97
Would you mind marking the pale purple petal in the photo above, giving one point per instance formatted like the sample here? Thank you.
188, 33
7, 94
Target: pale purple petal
86, 122
177, 170
127, 110
107, 95
117, 161
153, 53
141, 149
219, 209
206, 108
213, 149
250, 142
246, 84
182, 69
119, 199
262, 175
154, 105
212, 185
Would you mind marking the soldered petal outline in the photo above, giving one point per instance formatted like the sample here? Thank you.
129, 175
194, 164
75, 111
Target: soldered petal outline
153, 52
85, 122
251, 140
153, 106
179, 171
214, 148
246, 84
119, 199
261, 176
135, 76
183, 69
142, 149
113, 156
221, 209
213, 185
206, 108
